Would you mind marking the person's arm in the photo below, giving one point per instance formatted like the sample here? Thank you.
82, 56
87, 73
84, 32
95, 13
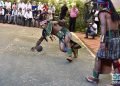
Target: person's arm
37, 43
102, 17
43, 37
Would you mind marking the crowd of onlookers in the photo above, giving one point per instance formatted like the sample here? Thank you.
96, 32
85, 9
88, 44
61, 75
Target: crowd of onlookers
26, 14
35, 13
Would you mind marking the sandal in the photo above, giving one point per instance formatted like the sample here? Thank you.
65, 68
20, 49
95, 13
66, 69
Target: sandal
91, 79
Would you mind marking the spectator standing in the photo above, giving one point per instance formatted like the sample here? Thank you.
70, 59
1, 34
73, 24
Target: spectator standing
45, 7
28, 6
2, 3
34, 9
96, 19
49, 15
22, 5
52, 8
40, 6
63, 12
14, 5
8, 4
72, 18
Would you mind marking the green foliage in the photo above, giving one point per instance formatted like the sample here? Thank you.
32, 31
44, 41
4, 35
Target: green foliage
80, 24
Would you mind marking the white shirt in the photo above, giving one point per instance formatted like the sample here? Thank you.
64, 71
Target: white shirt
8, 5
96, 15
1, 3
28, 15
14, 12
49, 15
19, 13
52, 9
94, 28
2, 12
28, 6
40, 7
21, 5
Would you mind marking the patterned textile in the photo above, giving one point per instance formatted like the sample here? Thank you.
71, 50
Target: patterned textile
61, 34
112, 46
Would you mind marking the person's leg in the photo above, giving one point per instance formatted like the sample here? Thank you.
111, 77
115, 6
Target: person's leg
68, 45
70, 24
9, 18
0, 18
15, 19
3, 18
34, 22
6, 17
30, 22
62, 46
87, 32
92, 34
73, 24
75, 46
23, 21
96, 71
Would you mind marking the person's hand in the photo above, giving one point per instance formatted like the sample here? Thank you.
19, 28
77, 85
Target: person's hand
102, 45
33, 49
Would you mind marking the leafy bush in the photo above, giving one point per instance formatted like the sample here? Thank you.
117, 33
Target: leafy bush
80, 24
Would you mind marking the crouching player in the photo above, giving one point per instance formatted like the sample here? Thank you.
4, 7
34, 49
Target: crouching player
65, 42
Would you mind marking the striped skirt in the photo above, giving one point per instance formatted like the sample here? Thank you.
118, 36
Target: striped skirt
112, 47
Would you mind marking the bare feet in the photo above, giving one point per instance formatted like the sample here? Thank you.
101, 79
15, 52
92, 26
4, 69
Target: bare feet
91, 79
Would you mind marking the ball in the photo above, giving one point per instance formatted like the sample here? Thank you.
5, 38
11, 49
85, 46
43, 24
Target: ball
39, 48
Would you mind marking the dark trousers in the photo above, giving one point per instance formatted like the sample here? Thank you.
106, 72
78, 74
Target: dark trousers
72, 22
89, 32
23, 21
29, 22
62, 16
1, 18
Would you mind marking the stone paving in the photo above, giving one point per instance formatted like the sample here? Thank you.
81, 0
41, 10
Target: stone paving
21, 67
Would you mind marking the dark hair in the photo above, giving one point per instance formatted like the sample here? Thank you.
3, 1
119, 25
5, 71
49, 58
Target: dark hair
114, 14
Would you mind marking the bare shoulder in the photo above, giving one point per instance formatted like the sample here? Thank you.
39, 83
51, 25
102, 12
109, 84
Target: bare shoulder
102, 14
